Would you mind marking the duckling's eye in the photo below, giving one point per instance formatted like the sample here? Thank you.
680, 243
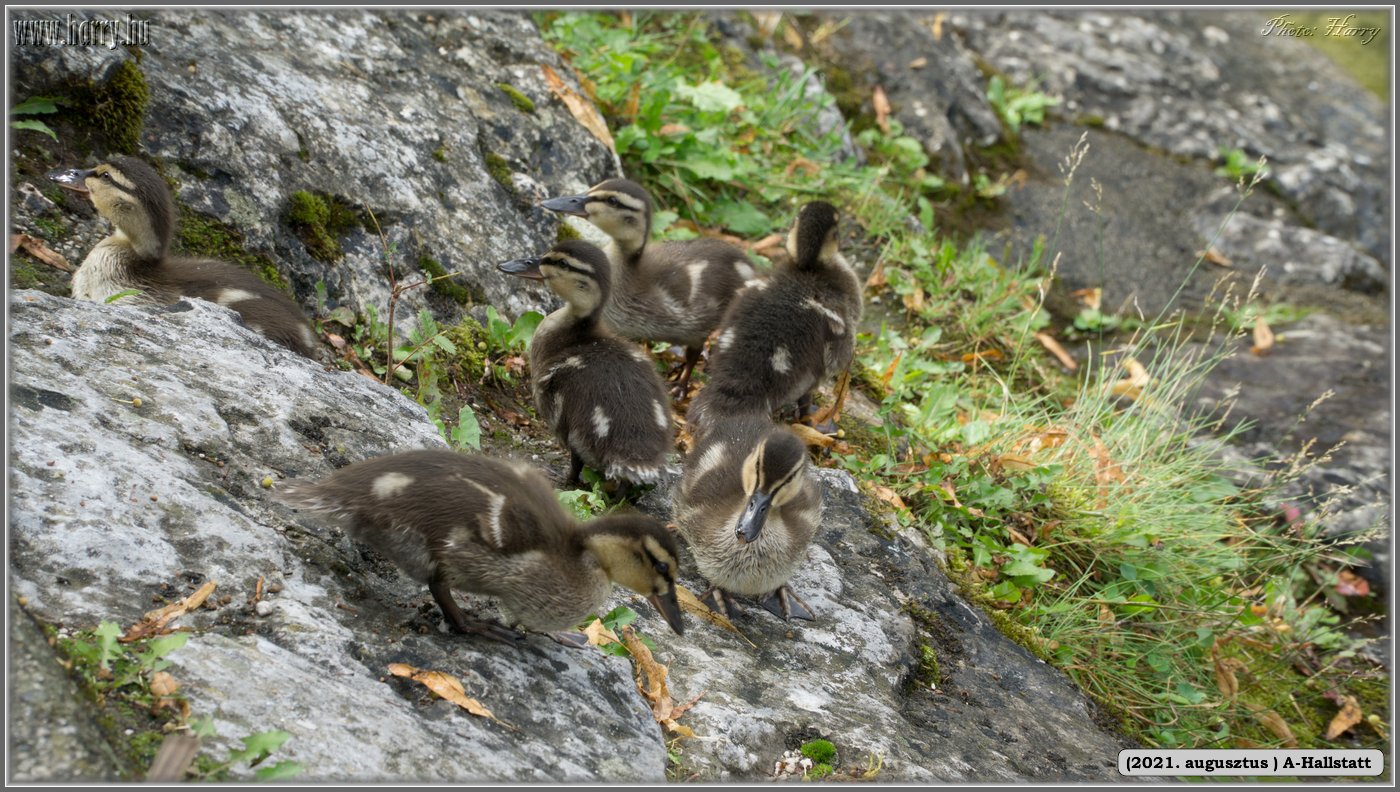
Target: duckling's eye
613, 202
105, 175
663, 569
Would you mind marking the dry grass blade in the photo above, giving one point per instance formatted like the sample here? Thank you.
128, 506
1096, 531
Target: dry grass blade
37, 249
692, 605
1053, 347
1132, 385
445, 686
154, 622
582, 110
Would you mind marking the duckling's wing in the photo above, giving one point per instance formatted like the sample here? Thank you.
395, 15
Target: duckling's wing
517, 511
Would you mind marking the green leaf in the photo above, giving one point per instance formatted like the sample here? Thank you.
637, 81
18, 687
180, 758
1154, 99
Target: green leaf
710, 97
35, 105
257, 747
714, 166
619, 617
1027, 574
121, 294
203, 726
283, 769
107, 634
524, 329
36, 126
743, 218
445, 344
467, 433
342, 314
160, 647
1006, 591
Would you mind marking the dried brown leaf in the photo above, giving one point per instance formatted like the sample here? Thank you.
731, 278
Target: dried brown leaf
889, 371
445, 686
936, 26
672, 129
767, 21
803, 164
1225, 678
918, 63
1349, 716
1132, 385
877, 279
914, 301
634, 103
1015, 462
792, 36
882, 109
1350, 584
1053, 347
695, 607
811, 436
163, 684
888, 496
1214, 256
1275, 724
582, 110
598, 635
651, 683
1263, 337
36, 248
154, 622
1089, 298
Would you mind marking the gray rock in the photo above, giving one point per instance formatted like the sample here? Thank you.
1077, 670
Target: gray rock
52, 733
389, 111
109, 501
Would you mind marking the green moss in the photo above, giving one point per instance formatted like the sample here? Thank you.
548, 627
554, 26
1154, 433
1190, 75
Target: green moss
444, 285
522, 102
23, 275
820, 752
117, 108
440, 153
470, 339
199, 235
319, 219
499, 168
1091, 120
565, 232
52, 229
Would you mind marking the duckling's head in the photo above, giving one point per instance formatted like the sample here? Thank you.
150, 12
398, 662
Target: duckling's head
621, 208
131, 196
813, 238
575, 270
772, 476
638, 552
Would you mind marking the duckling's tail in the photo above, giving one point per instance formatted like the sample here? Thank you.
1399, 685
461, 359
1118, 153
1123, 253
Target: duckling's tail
639, 474
305, 496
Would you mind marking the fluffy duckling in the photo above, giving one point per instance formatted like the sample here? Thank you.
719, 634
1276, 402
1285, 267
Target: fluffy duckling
131, 196
495, 528
783, 337
600, 395
664, 291
749, 506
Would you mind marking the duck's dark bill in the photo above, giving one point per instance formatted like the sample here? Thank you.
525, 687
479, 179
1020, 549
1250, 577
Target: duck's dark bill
523, 268
71, 178
670, 609
569, 204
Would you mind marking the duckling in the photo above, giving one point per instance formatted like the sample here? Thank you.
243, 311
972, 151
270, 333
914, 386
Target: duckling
749, 506
493, 527
783, 337
131, 196
600, 395
664, 291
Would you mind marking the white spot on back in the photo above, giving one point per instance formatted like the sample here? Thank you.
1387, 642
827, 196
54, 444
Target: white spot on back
573, 361
745, 271
725, 339
711, 459
782, 361
229, 297
601, 422
838, 325
390, 484
695, 271
307, 336
498, 506
663, 418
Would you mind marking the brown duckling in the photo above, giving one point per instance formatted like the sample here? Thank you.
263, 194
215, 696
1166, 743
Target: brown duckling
131, 196
495, 528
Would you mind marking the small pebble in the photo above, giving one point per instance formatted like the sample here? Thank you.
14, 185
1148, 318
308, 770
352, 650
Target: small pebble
23, 601
264, 608
154, 498
136, 402
53, 462
267, 482
274, 587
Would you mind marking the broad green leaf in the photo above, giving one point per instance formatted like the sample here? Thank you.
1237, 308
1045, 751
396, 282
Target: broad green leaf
107, 634
710, 97
36, 126
279, 771
35, 105
445, 344
743, 218
467, 434
1026, 573
524, 330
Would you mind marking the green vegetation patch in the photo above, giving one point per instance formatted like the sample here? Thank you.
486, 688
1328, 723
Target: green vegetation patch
319, 219
522, 102
442, 282
117, 108
201, 235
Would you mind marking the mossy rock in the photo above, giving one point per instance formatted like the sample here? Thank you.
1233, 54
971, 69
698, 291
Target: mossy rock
447, 286
320, 219
200, 235
499, 169
117, 107
522, 102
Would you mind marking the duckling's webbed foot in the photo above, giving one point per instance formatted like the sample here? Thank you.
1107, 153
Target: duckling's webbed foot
458, 622
682, 386
573, 640
720, 601
786, 605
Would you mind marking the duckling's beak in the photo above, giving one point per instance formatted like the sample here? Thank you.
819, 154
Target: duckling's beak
670, 609
752, 520
569, 204
523, 268
74, 179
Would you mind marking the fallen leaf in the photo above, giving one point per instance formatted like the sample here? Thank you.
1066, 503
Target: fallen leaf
767, 243
1137, 379
634, 103
696, 607
445, 686
173, 760
163, 684
1349, 716
36, 248
953, 497
1349, 584
1053, 347
882, 109
936, 26
651, 683
982, 356
1275, 724
767, 21
154, 622
598, 635
914, 300
1215, 257
877, 279
792, 36
582, 110
1017, 536
1015, 462
672, 129
889, 372
918, 63
1225, 678
888, 496
1263, 337
803, 164
1089, 298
